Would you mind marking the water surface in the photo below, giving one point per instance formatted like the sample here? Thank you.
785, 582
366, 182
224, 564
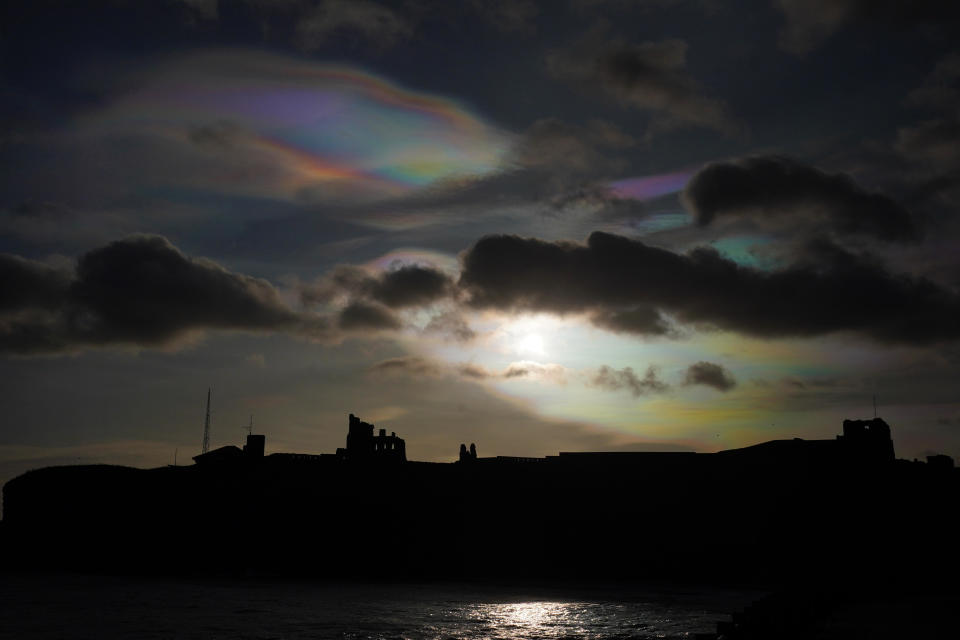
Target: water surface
74, 606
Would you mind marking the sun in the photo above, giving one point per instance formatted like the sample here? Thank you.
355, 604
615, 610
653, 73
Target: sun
528, 336
531, 343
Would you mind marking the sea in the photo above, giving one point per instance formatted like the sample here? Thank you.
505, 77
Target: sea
107, 607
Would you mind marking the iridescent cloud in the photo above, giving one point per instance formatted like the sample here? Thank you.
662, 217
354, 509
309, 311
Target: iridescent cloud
321, 128
413, 256
649, 187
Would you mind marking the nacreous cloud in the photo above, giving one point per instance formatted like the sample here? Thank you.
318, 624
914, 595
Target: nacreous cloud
614, 275
774, 187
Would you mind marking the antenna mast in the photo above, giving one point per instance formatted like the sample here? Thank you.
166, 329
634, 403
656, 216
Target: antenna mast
206, 427
250, 426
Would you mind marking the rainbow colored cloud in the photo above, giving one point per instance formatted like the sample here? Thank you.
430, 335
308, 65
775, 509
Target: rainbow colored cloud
649, 187
283, 127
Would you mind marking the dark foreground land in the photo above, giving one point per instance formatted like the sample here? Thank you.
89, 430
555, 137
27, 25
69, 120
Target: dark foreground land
710, 519
843, 534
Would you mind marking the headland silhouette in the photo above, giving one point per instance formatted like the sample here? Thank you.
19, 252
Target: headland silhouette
778, 511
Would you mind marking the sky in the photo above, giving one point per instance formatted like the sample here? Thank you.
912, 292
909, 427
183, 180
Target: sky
578, 225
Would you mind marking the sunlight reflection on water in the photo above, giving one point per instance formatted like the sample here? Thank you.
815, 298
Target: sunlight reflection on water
544, 620
68, 605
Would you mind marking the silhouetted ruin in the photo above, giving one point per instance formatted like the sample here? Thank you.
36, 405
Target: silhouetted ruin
468, 456
363, 445
773, 510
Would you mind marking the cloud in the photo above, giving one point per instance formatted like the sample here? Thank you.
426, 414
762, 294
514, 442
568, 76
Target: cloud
143, 291
934, 141
784, 190
529, 369
614, 380
555, 144
810, 22
795, 383
207, 9
416, 367
373, 22
367, 316
473, 371
411, 285
451, 324
929, 150
833, 291
551, 168
408, 366
406, 286
939, 89
642, 319
710, 375
649, 75
277, 135
508, 15
26, 284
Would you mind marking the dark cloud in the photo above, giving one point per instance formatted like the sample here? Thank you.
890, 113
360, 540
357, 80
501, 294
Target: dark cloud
25, 284
40, 210
407, 365
647, 75
473, 371
810, 22
644, 320
367, 316
341, 281
218, 135
809, 383
508, 15
406, 286
933, 140
833, 291
710, 375
452, 325
782, 189
939, 90
145, 286
929, 150
615, 380
583, 5
371, 22
137, 291
415, 366
555, 144
411, 286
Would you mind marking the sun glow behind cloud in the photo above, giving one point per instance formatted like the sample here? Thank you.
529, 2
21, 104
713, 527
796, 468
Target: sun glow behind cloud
555, 362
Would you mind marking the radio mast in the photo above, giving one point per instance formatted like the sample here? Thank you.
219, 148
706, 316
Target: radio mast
206, 427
